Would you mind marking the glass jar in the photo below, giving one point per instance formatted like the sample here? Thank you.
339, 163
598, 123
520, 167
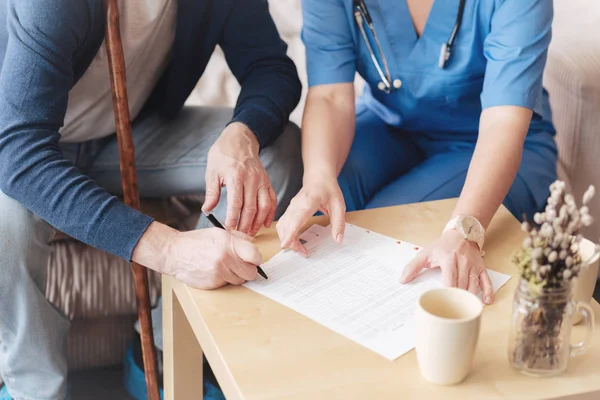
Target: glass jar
540, 331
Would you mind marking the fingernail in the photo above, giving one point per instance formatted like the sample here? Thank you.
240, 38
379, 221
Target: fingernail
488, 300
339, 238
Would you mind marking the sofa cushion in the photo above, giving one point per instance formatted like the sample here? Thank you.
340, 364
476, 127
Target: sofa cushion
572, 78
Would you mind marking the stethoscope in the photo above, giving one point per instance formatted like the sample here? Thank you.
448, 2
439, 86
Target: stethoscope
386, 84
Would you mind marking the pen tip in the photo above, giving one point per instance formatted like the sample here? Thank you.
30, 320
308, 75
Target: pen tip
262, 273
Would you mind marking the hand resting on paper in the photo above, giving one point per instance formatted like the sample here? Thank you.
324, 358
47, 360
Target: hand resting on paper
460, 261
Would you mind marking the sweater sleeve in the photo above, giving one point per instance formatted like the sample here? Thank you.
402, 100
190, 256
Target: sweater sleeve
36, 76
257, 57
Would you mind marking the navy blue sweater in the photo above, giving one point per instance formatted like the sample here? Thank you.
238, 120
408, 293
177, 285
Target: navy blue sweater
46, 46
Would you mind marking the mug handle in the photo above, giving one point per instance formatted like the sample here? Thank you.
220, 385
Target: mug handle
588, 318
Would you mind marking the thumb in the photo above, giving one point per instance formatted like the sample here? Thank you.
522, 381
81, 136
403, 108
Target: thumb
245, 250
413, 268
242, 235
337, 214
213, 192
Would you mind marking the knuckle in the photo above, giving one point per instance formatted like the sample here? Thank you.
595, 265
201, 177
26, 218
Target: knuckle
236, 203
252, 210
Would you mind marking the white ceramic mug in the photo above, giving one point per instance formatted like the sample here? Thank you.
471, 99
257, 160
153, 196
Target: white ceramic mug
584, 285
447, 329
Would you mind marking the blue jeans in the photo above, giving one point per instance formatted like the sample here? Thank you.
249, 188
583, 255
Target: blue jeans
387, 166
171, 160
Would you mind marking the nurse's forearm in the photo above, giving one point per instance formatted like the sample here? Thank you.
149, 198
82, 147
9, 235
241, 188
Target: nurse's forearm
495, 162
327, 129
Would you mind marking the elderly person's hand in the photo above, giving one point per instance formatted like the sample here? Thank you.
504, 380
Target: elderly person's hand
233, 162
204, 259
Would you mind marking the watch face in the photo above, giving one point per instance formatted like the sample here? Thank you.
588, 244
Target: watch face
470, 227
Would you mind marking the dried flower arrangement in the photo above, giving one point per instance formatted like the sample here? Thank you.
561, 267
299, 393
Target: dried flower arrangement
550, 255
547, 263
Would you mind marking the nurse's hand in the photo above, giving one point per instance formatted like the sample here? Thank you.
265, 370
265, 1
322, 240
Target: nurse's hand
460, 261
318, 194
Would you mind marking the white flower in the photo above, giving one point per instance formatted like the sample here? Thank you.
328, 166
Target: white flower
567, 274
569, 261
574, 248
587, 220
527, 242
565, 244
546, 230
563, 212
551, 214
525, 226
569, 199
545, 269
589, 193
558, 238
537, 253
573, 227
584, 210
538, 218
552, 257
556, 224
562, 255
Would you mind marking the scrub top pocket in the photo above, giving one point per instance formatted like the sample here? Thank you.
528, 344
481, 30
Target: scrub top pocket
465, 93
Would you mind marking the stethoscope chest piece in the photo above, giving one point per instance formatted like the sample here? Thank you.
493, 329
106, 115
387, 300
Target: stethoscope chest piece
397, 84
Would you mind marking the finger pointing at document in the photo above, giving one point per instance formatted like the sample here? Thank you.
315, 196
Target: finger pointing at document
321, 194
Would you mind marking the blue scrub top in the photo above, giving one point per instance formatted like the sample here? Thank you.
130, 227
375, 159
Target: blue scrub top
498, 58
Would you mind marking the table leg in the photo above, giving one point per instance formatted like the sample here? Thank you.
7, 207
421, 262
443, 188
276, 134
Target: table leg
182, 356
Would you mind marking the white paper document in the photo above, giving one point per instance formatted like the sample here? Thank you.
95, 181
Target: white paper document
354, 288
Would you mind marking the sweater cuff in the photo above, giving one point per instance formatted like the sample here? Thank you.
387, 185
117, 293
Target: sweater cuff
263, 118
121, 230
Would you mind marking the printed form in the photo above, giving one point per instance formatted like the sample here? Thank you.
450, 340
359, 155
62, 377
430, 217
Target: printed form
354, 288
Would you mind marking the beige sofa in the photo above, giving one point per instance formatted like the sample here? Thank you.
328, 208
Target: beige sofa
95, 289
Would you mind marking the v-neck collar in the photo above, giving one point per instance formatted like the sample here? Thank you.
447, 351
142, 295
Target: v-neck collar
394, 26
415, 35
437, 29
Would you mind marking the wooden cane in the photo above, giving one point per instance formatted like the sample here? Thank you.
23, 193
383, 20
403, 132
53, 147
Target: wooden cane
116, 63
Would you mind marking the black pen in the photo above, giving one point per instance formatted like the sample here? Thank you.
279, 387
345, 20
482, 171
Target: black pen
215, 222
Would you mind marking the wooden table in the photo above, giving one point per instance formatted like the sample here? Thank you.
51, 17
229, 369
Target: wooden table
259, 349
